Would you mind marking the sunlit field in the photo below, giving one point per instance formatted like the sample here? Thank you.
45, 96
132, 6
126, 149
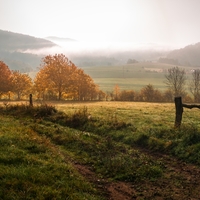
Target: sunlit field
141, 114
136, 84
130, 76
59, 144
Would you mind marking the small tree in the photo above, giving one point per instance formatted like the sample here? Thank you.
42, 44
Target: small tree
150, 94
176, 80
168, 96
21, 84
127, 95
116, 92
83, 87
194, 85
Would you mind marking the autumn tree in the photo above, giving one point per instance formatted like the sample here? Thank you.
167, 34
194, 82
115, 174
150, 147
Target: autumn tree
60, 76
5, 78
101, 95
116, 92
84, 86
21, 84
55, 74
150, 94
127, 95
194, 85
168, 95
176, 80
41, 85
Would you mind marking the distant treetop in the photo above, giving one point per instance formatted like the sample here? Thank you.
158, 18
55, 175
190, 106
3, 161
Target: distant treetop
132, 61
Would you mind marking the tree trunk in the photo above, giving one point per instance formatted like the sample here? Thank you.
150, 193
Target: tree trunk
59, 95
30, 100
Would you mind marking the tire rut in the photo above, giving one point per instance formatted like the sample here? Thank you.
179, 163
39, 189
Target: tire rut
180, 180
110, 190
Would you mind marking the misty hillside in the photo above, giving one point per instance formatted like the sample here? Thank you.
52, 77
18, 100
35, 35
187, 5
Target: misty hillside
188, 56
12, 45
10, 41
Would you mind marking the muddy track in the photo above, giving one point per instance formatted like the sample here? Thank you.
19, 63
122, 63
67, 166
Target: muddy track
111, 190
180, 181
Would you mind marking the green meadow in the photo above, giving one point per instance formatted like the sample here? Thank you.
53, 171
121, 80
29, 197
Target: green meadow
132, 76
136, 84
78, 150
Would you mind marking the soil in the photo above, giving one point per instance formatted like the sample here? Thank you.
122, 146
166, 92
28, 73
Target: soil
180, 181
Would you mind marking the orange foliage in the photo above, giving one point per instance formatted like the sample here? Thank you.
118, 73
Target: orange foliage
5, 78
21, 84
60, 77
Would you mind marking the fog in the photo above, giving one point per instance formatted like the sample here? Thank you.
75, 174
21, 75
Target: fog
103, 53
136, 22
93, 49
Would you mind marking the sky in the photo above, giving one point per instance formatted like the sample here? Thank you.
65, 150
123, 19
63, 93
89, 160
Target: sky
173, 23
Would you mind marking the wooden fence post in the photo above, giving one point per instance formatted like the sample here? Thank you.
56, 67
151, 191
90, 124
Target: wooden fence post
30, 100
179, 111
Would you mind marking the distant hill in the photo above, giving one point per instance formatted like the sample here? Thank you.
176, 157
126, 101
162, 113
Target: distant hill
12, 46
187, 56
13, 41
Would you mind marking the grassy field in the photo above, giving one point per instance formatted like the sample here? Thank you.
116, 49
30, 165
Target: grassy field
136, 84
138, 113
74, 150
130, 76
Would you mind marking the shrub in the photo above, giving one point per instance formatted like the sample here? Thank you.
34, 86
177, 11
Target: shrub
42, 110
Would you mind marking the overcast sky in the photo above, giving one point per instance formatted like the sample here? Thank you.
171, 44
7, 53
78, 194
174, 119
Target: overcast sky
169, 22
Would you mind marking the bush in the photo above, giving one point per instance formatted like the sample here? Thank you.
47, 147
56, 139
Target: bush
42, 110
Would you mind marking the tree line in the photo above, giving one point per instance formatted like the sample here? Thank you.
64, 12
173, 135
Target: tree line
176, 85
59, 78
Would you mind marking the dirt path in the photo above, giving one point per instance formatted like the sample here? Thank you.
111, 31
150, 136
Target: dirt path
111, 190
180, 181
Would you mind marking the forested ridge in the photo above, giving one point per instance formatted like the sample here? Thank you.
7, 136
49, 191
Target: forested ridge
13, 47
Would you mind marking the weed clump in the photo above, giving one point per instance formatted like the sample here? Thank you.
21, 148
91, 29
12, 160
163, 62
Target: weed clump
79, 118
38, 111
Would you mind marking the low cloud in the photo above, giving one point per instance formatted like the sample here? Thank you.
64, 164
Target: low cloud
43, 51
96, 48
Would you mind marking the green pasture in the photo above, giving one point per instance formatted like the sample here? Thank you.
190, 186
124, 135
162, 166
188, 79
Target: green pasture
151, 126
136, 84
130, 76
40, 146
31, 167
140, 114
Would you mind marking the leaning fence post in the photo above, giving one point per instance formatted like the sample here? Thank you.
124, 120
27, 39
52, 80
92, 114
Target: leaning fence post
30, 100
179, 111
